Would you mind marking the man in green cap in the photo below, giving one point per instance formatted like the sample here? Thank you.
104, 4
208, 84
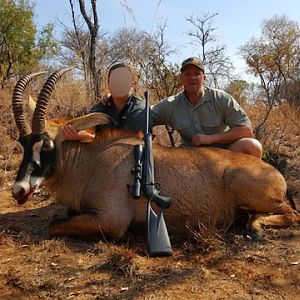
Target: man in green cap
205, 116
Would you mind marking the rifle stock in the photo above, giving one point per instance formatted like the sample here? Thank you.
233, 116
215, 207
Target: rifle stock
158, 239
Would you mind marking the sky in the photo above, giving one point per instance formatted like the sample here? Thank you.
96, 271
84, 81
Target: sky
236, 21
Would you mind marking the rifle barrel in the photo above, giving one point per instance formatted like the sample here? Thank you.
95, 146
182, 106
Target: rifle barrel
147, 108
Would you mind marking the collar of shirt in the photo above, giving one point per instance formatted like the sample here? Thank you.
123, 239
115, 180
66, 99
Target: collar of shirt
201, 99
120, 115
126, 106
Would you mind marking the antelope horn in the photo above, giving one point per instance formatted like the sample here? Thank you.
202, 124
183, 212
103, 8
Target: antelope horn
17, 103
38, 120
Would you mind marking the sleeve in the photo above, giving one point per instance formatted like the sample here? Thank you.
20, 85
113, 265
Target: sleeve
234, 115
158, 112
162, 112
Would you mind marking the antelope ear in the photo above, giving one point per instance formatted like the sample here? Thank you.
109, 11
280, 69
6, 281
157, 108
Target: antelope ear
92, 120
31, 105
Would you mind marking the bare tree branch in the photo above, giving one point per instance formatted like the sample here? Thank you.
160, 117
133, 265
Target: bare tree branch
217, 64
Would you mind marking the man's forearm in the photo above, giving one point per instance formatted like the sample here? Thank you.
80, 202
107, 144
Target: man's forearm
227, 137
231, 135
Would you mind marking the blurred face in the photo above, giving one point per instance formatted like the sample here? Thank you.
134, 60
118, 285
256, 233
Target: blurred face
192, 79
120, 82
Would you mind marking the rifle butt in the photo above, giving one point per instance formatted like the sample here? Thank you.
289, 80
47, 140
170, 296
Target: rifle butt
158, 238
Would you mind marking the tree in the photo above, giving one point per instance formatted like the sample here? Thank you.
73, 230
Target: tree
291, 92
238, 89
274, 58
76, 53
149, 55
46, 46
131, 45
75, 45
22, 47
17, 33
164, 78
217, 65
92, 23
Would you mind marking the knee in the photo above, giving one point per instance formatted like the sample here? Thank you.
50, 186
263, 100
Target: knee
248, 146
255, 148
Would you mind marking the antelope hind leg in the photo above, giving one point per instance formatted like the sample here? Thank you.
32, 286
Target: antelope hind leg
260, 220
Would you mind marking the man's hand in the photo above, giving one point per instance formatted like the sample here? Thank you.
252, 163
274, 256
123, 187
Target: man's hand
70, 133
201, 139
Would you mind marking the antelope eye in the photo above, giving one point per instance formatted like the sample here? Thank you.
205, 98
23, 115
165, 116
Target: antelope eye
47, 144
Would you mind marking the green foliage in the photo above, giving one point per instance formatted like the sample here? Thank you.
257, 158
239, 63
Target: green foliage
17, 33
46, 46
19, 51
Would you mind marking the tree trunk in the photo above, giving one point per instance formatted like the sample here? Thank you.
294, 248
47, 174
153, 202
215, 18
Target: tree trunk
94, 29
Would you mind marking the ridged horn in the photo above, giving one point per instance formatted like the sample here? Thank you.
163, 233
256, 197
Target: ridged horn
17, 103
38, 119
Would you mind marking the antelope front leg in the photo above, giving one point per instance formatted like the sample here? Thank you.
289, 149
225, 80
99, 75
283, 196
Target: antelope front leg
88, 225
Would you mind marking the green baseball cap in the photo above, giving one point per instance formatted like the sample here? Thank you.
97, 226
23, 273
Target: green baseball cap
192, 61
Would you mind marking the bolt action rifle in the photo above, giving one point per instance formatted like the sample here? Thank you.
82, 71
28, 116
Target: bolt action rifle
158, 238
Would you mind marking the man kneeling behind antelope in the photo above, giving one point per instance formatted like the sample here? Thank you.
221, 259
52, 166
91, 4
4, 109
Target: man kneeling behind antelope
207, 185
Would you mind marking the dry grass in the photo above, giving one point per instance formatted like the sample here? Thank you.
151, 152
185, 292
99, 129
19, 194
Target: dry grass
120, 260
204, 239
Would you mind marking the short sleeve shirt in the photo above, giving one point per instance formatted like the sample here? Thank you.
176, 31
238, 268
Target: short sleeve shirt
215, 112
131, 117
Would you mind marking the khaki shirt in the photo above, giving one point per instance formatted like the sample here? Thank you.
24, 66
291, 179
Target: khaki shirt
215, 112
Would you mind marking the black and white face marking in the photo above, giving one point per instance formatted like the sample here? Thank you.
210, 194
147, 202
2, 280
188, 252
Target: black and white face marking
38, 159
